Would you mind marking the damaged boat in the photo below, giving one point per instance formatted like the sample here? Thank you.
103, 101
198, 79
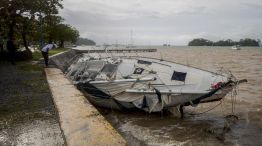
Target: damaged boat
148, 84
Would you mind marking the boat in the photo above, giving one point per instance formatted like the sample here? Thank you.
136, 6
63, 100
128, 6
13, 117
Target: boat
148, 84
236, 47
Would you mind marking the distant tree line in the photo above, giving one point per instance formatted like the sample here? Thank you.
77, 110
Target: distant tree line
85, 41
228, 42
34, 22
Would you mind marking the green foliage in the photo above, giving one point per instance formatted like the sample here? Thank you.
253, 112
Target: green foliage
228, 42
64, 33
249, 42
31, 21
200, 42
12, 12
49, 25
85, 41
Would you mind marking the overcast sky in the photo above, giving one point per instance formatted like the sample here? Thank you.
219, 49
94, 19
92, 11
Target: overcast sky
156, 22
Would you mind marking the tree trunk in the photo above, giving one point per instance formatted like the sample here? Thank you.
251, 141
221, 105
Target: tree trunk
1, 46
50, 38
11, 30
61, 45
25, 41
28, 51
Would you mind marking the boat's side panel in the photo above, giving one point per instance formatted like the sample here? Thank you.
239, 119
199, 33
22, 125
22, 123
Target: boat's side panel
109, 103
126, 101
114, 89
125, 89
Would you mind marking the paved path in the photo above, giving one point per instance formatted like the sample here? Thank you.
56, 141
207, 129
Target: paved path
80, 122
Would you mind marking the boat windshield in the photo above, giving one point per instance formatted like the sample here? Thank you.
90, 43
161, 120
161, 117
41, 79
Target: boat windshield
109, 68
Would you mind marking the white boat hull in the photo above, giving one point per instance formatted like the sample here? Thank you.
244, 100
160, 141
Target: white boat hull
145, 83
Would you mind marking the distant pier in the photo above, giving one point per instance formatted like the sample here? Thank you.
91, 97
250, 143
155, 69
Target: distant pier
133, 50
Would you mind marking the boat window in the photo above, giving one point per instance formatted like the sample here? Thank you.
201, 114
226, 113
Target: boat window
109, 68
144, 62
82, 71
179, 76
95, 65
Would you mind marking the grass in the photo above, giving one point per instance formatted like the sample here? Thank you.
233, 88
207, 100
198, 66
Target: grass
37, 84
56, 51
26, 99
24, 89
38, 55
29, 67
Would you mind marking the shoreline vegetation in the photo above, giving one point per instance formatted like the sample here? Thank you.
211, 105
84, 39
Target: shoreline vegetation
85, 41
247, 42
33, 24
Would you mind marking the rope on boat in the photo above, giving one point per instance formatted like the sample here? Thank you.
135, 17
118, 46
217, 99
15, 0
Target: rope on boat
234, 93
233, 101
206, 110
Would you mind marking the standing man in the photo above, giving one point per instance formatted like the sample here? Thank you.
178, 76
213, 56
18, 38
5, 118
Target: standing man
45, 50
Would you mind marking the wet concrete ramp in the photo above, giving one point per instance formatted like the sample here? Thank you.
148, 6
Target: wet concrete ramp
80, 122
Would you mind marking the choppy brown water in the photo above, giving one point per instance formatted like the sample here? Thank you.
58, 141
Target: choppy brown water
208, 128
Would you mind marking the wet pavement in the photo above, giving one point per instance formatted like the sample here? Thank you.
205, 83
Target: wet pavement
27, 113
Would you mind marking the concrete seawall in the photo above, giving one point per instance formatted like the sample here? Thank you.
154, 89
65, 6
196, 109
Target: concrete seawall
81, 123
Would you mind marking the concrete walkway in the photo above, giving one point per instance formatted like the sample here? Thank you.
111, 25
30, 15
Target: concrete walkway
81, 123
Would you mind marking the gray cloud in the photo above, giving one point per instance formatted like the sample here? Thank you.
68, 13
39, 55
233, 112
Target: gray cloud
157, 22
